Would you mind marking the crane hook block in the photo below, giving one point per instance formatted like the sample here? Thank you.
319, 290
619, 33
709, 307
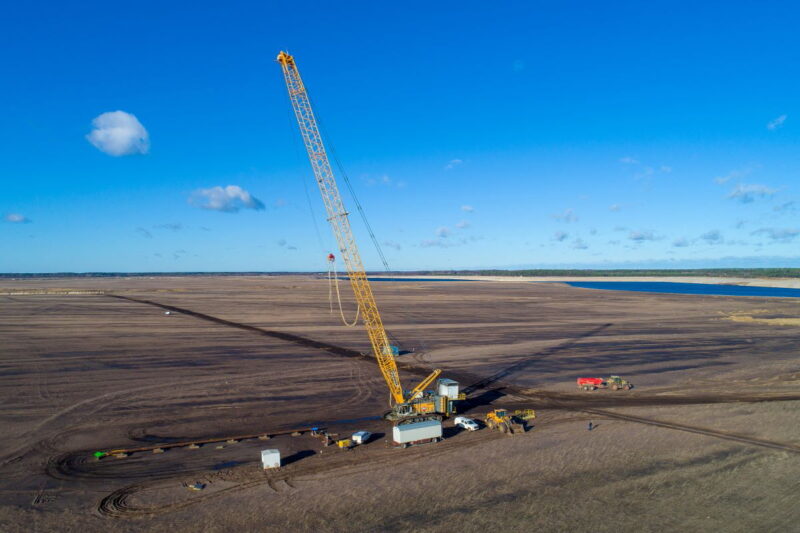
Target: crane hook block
331, 258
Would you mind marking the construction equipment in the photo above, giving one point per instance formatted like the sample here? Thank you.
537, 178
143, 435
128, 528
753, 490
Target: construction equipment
613, 383
525, 414
405, 405
500, 419
323, 435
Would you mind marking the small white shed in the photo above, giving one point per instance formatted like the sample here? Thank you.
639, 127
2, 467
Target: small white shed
271, 458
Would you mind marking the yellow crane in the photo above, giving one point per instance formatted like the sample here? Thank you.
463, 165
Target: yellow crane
404, 404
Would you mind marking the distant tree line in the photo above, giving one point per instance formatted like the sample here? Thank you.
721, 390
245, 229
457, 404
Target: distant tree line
696, 272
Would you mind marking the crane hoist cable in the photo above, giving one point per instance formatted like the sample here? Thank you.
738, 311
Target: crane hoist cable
333, 281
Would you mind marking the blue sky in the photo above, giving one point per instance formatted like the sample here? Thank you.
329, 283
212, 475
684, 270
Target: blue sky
514, 134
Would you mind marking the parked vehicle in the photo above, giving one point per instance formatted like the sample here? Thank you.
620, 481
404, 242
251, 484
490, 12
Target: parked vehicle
500, 419
613, 383
466, 423
361, 437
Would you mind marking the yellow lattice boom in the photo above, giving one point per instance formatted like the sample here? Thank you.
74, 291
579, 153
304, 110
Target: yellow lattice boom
340, 223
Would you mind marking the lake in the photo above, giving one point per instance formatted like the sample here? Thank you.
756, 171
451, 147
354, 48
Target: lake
670, 287
665, 287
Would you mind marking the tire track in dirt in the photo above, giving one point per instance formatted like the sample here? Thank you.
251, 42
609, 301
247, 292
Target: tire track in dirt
97, 403
541, 399
784, 447
117, 504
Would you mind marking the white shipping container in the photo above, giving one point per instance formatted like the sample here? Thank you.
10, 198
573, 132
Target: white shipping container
271, 458
425, 430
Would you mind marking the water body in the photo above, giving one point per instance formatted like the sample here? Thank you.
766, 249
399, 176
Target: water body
669, 287
664, 287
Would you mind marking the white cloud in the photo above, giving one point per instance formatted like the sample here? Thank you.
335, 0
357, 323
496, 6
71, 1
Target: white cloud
383, 179
172, 226
443, 231
748, 193
392, 244
283, 244
560, 236
438, 243
712, 237
776, 123
453, 163
144, 233
567, 216
628, 160
467, 208
665, 169
680, 243
779, 234
448, 243
119, 133
641, 236
614, 207
578, 244
226, 199
16, 218
646, 171
733, 174
462, 225
787, 207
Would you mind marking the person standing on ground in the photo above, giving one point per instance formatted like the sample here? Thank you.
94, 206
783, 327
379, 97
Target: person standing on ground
590, 425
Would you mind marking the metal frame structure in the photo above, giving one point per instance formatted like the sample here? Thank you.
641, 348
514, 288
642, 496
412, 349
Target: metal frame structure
340, 223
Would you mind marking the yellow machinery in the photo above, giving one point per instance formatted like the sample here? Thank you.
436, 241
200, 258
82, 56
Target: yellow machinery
404, 404
501, 420
525, 414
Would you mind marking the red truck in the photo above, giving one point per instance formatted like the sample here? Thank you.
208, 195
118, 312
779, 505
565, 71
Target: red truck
613, 383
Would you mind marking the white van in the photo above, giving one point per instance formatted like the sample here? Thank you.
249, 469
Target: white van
360, 437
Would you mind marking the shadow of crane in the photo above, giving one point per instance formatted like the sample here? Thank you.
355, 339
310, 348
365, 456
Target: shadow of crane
529, 360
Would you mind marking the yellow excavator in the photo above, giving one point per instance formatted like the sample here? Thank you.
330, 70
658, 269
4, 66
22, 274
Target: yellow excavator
404, 404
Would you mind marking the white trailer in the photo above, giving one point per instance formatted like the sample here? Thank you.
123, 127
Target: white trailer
405, 435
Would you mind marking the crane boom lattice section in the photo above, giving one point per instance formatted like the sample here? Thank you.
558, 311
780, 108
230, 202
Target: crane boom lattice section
338, 218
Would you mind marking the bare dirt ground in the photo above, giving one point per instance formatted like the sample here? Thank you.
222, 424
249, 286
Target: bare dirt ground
707, 441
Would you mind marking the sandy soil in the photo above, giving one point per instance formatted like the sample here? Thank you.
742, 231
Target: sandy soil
707, 440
